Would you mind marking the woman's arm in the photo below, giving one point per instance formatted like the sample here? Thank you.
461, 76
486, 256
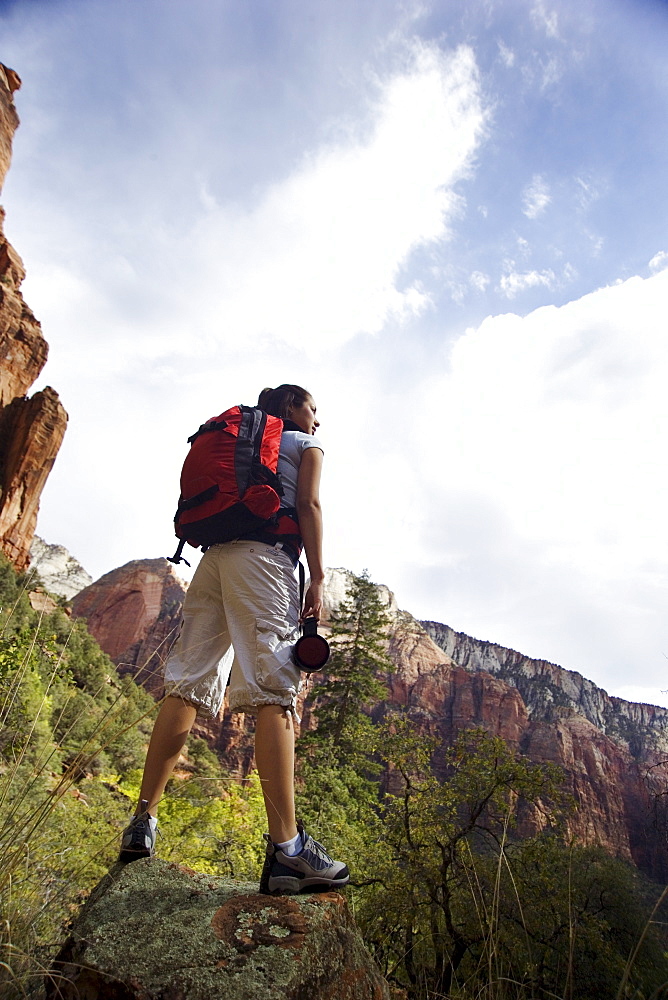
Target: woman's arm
310, 525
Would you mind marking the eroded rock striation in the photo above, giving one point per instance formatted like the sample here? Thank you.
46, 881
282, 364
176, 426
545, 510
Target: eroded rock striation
613, 762
550, 692
158, 931
31, 429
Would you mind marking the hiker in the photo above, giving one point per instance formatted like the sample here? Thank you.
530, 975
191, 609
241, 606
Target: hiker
240, 620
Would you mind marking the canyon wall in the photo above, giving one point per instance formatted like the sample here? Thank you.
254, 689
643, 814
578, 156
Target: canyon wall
614, 768
550, 692
31, 429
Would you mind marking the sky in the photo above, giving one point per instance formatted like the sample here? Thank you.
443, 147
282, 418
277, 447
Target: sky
446, 220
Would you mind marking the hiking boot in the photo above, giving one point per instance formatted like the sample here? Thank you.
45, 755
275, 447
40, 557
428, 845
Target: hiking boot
312, 870
138, 838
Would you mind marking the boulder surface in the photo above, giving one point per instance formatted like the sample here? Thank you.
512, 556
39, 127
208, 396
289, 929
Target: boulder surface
158, 930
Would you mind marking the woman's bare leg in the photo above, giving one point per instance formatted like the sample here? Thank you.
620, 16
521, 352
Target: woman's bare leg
170, 732
275, 760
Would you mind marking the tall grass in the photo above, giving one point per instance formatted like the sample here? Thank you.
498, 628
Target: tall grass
72, 742
58, 831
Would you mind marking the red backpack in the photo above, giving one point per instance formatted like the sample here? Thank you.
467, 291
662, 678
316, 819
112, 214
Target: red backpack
229, 484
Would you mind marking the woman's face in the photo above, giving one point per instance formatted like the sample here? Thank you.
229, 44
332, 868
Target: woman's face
304, 416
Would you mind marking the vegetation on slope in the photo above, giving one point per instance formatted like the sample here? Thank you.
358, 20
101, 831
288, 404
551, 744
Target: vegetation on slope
73, 737
451, 902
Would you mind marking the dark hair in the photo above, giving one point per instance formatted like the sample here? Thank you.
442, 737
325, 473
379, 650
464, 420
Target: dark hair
279, 401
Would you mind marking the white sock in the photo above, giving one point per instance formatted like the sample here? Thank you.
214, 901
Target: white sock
291, 847
152, 822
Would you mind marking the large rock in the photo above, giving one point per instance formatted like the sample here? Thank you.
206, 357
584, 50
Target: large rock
158, 931
31, 430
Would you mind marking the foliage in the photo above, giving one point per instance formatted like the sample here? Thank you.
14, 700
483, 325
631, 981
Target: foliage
337, 770
358, 654
455, 905
66, 720
567, 919
419, 913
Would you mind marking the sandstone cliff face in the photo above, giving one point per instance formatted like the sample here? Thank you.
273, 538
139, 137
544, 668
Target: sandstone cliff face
9, 120
31, 430
617, 795
616, 779
551, 692
134, 612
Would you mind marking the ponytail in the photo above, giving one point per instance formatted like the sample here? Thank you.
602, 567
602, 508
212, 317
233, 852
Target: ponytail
278, 402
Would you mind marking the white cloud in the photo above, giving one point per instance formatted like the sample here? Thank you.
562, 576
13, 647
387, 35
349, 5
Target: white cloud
506, 55
514, 282
589, 190
551, 71
251, 294
536, 197
328, 245
321, 255
479, 280
546, 19
549, 495
659, 261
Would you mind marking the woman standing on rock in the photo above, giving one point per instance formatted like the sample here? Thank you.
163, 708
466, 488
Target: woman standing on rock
240, 620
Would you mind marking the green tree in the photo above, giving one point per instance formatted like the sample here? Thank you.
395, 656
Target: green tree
420, 908
337, 770
569, 916
358, 654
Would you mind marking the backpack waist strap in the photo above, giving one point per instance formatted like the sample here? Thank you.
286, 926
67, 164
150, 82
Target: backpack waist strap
285, 530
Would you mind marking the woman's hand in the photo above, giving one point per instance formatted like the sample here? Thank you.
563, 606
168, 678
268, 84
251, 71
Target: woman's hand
313, 601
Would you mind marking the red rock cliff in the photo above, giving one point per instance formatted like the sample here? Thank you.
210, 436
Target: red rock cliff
31, 430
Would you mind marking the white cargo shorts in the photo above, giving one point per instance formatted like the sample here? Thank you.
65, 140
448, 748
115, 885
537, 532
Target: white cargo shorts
240, 620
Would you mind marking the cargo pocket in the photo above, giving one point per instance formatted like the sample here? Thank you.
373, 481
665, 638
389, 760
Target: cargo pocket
276, 671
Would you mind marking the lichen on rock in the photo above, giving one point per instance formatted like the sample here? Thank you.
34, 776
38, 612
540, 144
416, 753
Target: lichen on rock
158, 930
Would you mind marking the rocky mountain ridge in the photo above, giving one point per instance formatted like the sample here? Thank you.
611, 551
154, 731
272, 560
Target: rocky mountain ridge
551, 692
59, 571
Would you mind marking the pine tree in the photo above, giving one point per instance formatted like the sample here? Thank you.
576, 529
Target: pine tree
359, 635
337, 766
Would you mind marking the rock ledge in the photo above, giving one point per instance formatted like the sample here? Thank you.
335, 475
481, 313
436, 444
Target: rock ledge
158, 931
